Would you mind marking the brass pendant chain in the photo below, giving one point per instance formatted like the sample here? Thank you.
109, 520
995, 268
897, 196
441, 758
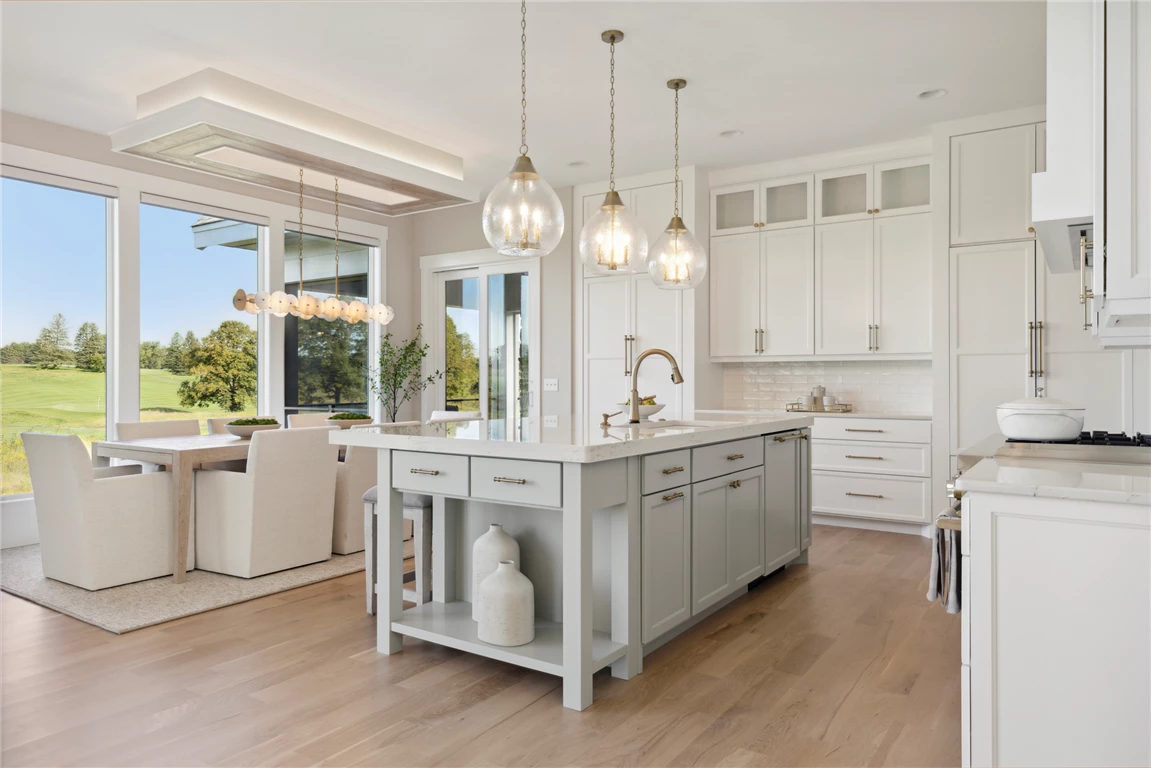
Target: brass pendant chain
677, 151
300, 289
611, 173
337, 238
523, 77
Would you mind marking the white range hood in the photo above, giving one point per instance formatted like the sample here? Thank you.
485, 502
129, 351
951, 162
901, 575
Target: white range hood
220, 124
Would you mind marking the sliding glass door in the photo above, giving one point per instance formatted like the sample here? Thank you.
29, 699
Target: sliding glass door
486, 348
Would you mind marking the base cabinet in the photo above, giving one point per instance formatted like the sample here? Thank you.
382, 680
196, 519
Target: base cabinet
784, 526
666, 570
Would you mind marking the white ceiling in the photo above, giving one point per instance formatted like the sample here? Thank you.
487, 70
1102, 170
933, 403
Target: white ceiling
797, 78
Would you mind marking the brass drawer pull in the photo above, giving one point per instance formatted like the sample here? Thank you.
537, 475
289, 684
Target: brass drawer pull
673, 496
865, 495
672, 470
735, 457
873, 458
424, 471
785, 438
849, 429
735, 483
511, 480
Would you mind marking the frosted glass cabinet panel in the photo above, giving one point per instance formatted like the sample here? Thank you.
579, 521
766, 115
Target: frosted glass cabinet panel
787, 203
735, 209
903, 187
843, 195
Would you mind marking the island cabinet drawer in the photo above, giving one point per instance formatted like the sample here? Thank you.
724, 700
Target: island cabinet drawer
666, 470
876, 430
873, 458
715, 460
885, 498
434, 473
534, 483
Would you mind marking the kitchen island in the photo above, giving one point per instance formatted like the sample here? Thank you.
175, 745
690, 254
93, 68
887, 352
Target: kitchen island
629, 536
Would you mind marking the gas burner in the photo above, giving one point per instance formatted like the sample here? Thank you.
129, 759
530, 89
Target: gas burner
1098, 437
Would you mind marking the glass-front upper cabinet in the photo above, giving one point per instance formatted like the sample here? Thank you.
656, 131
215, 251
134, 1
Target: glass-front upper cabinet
903, 187
735, 209
843, 195
787, 202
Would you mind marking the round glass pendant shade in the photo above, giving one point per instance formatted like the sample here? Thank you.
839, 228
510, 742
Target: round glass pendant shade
278, 303
357, 311
523, 216
677, 261
612, 241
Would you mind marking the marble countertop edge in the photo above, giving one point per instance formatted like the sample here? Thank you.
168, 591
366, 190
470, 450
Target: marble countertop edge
1074, 481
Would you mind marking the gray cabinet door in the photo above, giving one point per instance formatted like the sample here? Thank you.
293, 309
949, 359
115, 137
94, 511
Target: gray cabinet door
784, 526
666, 560
745, 526
710, 568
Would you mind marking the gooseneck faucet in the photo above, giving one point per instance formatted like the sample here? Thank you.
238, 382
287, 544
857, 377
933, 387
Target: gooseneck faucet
676, 377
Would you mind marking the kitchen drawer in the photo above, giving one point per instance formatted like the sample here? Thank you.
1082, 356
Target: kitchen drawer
715, 460
434, 473
903, 499
876, 430
666, 470
533, 483
872, 458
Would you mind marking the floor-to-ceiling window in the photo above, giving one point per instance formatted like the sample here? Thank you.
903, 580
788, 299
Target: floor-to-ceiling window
198, 355
325, 362
54, 251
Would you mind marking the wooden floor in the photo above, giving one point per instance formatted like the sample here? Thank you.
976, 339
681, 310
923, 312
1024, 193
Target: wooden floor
840, 662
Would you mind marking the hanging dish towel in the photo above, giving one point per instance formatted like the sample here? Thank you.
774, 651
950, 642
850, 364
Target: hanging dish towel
943, 582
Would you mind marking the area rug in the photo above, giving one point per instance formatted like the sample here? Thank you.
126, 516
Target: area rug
134, 606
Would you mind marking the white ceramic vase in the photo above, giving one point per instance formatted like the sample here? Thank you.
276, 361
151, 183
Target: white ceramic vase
487, 552
507, 607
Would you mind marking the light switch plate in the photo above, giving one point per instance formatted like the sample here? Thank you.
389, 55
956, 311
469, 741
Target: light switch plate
551, 421
551, 385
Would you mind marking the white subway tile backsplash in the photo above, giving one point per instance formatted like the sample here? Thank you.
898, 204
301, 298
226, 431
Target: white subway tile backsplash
870, 385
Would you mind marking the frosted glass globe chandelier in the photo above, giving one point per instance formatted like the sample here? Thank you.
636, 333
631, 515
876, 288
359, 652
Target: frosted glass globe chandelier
523, 216
612, 241
677, 261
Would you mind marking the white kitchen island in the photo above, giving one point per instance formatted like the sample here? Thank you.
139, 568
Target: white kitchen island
629, 536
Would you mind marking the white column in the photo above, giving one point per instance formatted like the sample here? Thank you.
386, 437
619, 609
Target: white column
625, 578
123, 291
270, 364
389, 557
577, 592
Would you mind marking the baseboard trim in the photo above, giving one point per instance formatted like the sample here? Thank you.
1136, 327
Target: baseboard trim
887, 526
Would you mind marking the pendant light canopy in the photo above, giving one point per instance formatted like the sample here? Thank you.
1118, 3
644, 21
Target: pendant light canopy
677, 260
523, 216
612, 240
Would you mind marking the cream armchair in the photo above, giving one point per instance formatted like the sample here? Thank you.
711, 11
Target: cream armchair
311, 419
274, 516
354, 476
99, 527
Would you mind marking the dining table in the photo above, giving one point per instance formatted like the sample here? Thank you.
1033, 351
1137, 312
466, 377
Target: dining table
181, 456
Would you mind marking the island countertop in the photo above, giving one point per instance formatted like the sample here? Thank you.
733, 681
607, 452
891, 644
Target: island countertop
1082, 481
463, 438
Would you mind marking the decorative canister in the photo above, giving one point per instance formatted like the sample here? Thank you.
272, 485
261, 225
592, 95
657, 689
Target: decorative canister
508, 607
487, 552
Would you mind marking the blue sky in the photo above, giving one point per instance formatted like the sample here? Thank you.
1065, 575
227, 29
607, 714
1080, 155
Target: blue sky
53, 260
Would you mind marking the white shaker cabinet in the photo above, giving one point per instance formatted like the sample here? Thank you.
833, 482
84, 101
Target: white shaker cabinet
843, 288
902, 302
843, 195
735, 295
991, 185
666, 571
787, 306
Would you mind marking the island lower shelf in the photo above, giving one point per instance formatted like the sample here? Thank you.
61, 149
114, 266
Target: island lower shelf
451, 625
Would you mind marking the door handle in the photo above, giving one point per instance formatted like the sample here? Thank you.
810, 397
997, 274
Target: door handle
512, 480
432, 472
1085, 293
673, 496
865, 495
1031, 349
1039, 357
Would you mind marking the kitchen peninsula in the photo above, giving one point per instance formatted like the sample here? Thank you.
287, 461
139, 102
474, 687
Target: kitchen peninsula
629, 535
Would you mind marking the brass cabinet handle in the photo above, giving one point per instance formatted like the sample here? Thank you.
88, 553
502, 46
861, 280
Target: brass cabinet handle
870, 341
627, 342
1039, 357
673, 496
1031, 230
735, 457
876, 211
875, 331
1085, 293
672, 470
794, 436
760, 334
875, 458
865, 495
511, 480
870, 211
1030, 349
735, 483
432, 472
849, 429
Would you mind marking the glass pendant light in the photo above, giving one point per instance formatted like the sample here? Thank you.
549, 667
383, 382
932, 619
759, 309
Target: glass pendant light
612, 241
523, 216
677, 260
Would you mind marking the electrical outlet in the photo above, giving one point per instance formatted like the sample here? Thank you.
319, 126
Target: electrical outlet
551, 421
551, 385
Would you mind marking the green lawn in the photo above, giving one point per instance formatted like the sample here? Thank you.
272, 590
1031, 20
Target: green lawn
72, 401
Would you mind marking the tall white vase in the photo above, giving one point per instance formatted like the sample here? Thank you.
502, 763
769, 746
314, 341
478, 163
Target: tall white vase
487, 552
507, 607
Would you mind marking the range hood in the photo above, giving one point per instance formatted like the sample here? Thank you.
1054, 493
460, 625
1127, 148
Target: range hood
220, 124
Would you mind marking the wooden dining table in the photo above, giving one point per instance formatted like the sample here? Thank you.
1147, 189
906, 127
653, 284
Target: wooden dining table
181, 455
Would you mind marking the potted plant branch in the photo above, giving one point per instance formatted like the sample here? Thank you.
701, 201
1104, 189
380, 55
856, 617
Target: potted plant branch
400, 375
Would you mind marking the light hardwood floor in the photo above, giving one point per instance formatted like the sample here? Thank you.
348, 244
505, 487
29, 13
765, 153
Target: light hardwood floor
840, 662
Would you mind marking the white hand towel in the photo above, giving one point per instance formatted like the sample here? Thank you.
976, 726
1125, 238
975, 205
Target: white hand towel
954, 563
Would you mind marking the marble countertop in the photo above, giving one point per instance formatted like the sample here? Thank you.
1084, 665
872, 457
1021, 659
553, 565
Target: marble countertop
1077, 480
463, 438
722, 414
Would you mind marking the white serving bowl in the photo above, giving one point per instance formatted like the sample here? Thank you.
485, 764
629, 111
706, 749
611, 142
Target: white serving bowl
1040, 418
248, 430
348, 423
645, 411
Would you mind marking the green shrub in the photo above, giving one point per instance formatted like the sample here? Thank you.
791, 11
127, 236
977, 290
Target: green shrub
253, 423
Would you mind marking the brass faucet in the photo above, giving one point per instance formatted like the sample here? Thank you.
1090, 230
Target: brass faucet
676, 378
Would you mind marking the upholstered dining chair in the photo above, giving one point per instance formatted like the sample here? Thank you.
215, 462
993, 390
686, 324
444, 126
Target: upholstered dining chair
275, 515
312, 419
216, 424
99, 527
